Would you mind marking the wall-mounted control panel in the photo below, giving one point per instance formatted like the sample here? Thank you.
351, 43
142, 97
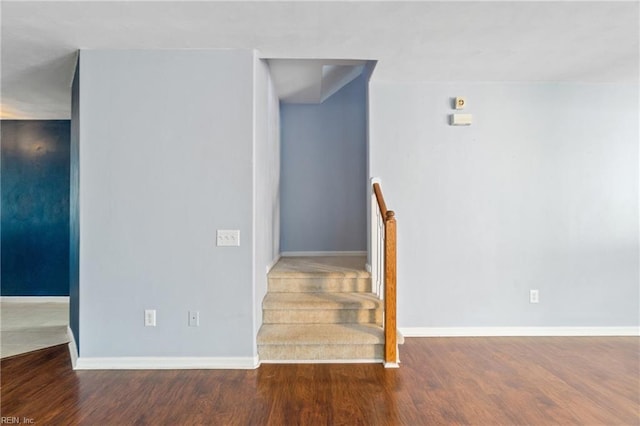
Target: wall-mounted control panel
458, 119
461, 119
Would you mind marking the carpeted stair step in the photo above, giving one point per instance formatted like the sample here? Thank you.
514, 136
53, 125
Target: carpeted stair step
317, 308
318, 274
321, 266
313, 342
314, 284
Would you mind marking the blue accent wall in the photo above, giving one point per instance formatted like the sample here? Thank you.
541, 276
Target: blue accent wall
323, 173
74, 210
35, 207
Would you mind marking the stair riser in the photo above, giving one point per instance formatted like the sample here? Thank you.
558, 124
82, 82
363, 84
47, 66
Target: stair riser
321, 316
314, 285
320, 352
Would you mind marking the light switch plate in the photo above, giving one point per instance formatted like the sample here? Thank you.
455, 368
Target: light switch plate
228, 237
534, 296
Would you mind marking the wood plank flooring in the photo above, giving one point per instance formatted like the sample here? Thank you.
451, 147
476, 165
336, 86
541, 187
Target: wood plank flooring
480, 381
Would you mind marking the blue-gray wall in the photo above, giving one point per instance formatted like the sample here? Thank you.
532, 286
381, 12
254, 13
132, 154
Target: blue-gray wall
166, 158
324, 181
540, 192
35, 207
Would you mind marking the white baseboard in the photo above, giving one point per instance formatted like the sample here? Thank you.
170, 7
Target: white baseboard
34, 299
73, 348
323, 253
167, 363
273, 263
323, 361
517, 331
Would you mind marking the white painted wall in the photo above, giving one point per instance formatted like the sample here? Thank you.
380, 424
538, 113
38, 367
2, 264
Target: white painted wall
541, 192
266, 184
166, 158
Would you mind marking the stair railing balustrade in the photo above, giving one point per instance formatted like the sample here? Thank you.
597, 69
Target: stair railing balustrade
383, 268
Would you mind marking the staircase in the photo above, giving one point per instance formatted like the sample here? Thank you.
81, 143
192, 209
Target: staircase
321, 309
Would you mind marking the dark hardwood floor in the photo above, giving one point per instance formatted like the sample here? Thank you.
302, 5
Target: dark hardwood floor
481, 381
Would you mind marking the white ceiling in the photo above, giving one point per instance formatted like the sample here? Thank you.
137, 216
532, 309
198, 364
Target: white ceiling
412, 41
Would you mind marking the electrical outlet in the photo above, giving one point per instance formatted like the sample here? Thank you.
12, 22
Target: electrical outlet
228, 237
149, 317
534, 296
194, 318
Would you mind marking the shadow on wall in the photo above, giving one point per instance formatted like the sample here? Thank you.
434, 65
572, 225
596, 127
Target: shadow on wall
35, 207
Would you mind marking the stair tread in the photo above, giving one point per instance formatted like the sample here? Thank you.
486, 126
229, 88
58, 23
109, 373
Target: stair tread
320, 284
321, 300
320, 334
320, 266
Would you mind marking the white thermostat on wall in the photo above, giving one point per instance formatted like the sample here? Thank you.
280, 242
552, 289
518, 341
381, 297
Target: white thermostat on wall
461, 119
460, 102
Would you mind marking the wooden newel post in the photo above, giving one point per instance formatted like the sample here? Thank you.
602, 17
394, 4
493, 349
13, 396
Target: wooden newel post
390, 328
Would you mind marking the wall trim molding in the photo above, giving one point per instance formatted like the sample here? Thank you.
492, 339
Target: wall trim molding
73, 348
323, 253
517, 331
167, 363
34, 299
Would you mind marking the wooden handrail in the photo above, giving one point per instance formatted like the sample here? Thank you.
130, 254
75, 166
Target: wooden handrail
390, 326
380, 198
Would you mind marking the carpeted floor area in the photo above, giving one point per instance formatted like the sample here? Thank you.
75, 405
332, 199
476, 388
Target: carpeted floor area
26, 327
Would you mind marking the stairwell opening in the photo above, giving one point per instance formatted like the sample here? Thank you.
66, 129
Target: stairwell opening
323, 165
